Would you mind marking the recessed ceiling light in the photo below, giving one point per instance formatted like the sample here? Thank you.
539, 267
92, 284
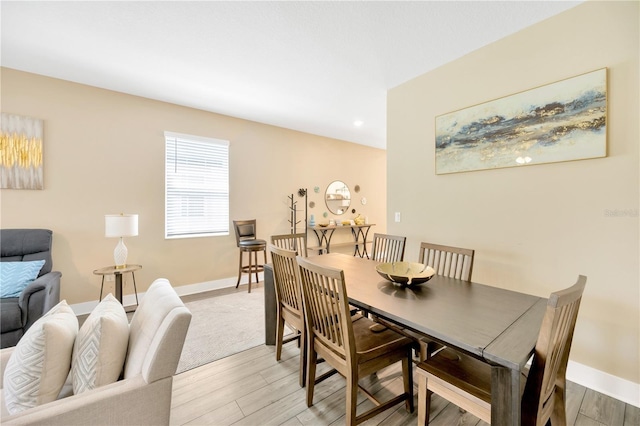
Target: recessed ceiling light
358, 123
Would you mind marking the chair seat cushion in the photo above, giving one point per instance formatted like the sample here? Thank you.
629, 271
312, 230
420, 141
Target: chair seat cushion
371, 344
11, 314
257, 244
467, 373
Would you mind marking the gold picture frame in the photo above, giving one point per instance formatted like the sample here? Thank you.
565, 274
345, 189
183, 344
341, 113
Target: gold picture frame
21, 143
561, 121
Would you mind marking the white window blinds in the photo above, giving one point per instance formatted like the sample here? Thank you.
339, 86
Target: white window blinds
196, 186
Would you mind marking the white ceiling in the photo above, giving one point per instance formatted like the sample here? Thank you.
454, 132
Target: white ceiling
309, 66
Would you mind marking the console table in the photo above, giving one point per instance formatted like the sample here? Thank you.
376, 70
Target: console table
358, 232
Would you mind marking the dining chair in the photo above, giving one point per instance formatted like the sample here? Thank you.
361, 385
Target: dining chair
295, 242
388, 248
448, 261
289, 302
466, 381
385, 248
247, 242
346, 343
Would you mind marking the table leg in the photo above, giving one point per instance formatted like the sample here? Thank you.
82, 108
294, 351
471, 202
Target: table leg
323, 238
269, 306
364, 238
356, 247
101, 288
135, 289
356, 236
119, 287
505, 396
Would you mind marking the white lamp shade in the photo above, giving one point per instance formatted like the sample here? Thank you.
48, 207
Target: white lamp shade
120, 225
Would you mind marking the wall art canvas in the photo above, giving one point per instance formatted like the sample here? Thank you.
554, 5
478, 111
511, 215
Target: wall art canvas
21, 140
561, 121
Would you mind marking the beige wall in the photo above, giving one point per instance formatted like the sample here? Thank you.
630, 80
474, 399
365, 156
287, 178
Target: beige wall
536, 228
104, 153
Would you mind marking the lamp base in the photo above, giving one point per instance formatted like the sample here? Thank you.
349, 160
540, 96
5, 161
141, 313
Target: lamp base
120, 255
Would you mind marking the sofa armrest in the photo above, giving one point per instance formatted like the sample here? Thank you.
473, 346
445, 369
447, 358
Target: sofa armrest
127, 402
38, 297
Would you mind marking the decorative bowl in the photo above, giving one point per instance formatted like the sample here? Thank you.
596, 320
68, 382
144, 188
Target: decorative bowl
406, 273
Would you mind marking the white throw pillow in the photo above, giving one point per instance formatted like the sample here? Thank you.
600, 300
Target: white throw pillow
101, 346
40, 362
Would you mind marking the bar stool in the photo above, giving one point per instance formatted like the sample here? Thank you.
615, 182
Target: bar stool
248, 243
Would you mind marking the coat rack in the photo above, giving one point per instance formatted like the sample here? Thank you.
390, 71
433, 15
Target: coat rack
293, 211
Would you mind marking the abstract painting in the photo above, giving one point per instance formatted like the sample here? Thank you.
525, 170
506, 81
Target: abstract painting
21, 152
561, 121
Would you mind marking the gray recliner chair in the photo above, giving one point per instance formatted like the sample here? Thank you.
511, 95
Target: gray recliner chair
18, 313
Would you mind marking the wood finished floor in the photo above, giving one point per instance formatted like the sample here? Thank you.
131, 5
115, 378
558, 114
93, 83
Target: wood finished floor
252, 388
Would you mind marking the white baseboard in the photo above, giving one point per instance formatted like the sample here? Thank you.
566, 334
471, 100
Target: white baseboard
605, 383
85, 308
613, 386
213, 285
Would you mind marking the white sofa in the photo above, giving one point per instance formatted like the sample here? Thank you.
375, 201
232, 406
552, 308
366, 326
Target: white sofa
143, 397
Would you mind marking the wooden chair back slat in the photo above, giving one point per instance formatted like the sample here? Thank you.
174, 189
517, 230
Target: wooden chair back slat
295, 242
288, 291
448, 261
289, 304
326, 299
388, 248
548, 369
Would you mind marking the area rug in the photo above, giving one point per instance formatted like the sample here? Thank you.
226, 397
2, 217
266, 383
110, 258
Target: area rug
222, 326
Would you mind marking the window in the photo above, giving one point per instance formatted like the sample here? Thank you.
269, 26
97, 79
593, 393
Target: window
196, 186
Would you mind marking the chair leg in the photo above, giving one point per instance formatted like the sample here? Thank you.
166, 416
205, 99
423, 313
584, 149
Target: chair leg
559, 414
424, 400
352, 399
255, 253
424, 351
407, 377
279, 336
312, 358
250, 270
264, 252
303, 358
239, 269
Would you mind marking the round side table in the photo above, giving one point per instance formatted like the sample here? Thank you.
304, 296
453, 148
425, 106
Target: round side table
117, 272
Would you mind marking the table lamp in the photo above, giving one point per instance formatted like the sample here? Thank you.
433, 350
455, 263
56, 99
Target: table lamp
119, 226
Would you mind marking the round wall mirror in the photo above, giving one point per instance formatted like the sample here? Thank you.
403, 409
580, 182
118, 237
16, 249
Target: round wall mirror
338, 197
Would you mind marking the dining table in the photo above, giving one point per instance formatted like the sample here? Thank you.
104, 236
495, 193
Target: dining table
495, 325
